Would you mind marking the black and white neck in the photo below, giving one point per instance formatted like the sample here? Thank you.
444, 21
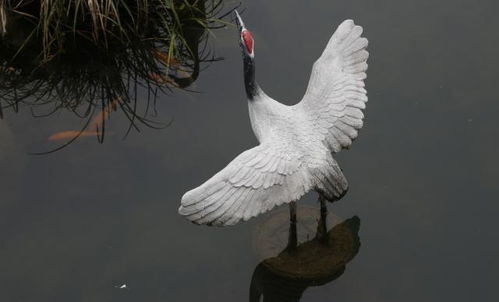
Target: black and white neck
248, 49
249, 77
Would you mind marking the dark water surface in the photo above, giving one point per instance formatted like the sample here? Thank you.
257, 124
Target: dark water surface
77, 224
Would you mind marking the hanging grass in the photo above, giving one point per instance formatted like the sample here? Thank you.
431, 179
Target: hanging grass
88, 56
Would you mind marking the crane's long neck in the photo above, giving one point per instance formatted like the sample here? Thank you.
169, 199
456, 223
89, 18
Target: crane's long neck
249, 77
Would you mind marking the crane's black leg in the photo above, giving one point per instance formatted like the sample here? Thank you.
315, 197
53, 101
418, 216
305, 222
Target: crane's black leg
323, 203
322, 224
292, 239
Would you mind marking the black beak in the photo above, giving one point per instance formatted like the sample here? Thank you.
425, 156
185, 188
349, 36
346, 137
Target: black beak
239, 21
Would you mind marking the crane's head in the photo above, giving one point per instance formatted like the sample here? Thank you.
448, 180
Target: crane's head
246, 41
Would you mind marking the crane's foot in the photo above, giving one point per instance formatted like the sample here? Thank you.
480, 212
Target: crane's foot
321, 234
292, 239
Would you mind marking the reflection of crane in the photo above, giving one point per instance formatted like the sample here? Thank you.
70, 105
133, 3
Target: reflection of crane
313, 263
294, 155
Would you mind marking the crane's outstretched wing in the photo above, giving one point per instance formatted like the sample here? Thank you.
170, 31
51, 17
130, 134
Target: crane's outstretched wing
335, 95
254, 182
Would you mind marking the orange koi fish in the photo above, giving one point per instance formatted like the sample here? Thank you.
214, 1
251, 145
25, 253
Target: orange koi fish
95, 123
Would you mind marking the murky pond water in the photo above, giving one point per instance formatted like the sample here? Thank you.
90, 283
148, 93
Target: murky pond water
78, 224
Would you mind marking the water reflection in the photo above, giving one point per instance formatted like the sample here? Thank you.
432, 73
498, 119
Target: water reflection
83, 57
313, 263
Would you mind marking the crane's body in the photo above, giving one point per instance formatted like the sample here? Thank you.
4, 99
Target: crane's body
296, 142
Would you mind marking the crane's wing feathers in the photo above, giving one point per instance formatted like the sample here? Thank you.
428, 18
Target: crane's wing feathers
335, 95
254, 182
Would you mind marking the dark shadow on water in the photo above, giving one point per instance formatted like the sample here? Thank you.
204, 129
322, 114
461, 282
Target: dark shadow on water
317, 262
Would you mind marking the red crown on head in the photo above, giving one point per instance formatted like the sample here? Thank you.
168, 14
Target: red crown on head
248, 40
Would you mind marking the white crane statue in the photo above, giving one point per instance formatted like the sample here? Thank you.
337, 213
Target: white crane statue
296, 142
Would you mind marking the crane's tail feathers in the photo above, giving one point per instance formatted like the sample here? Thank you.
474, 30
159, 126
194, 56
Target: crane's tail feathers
331, 183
